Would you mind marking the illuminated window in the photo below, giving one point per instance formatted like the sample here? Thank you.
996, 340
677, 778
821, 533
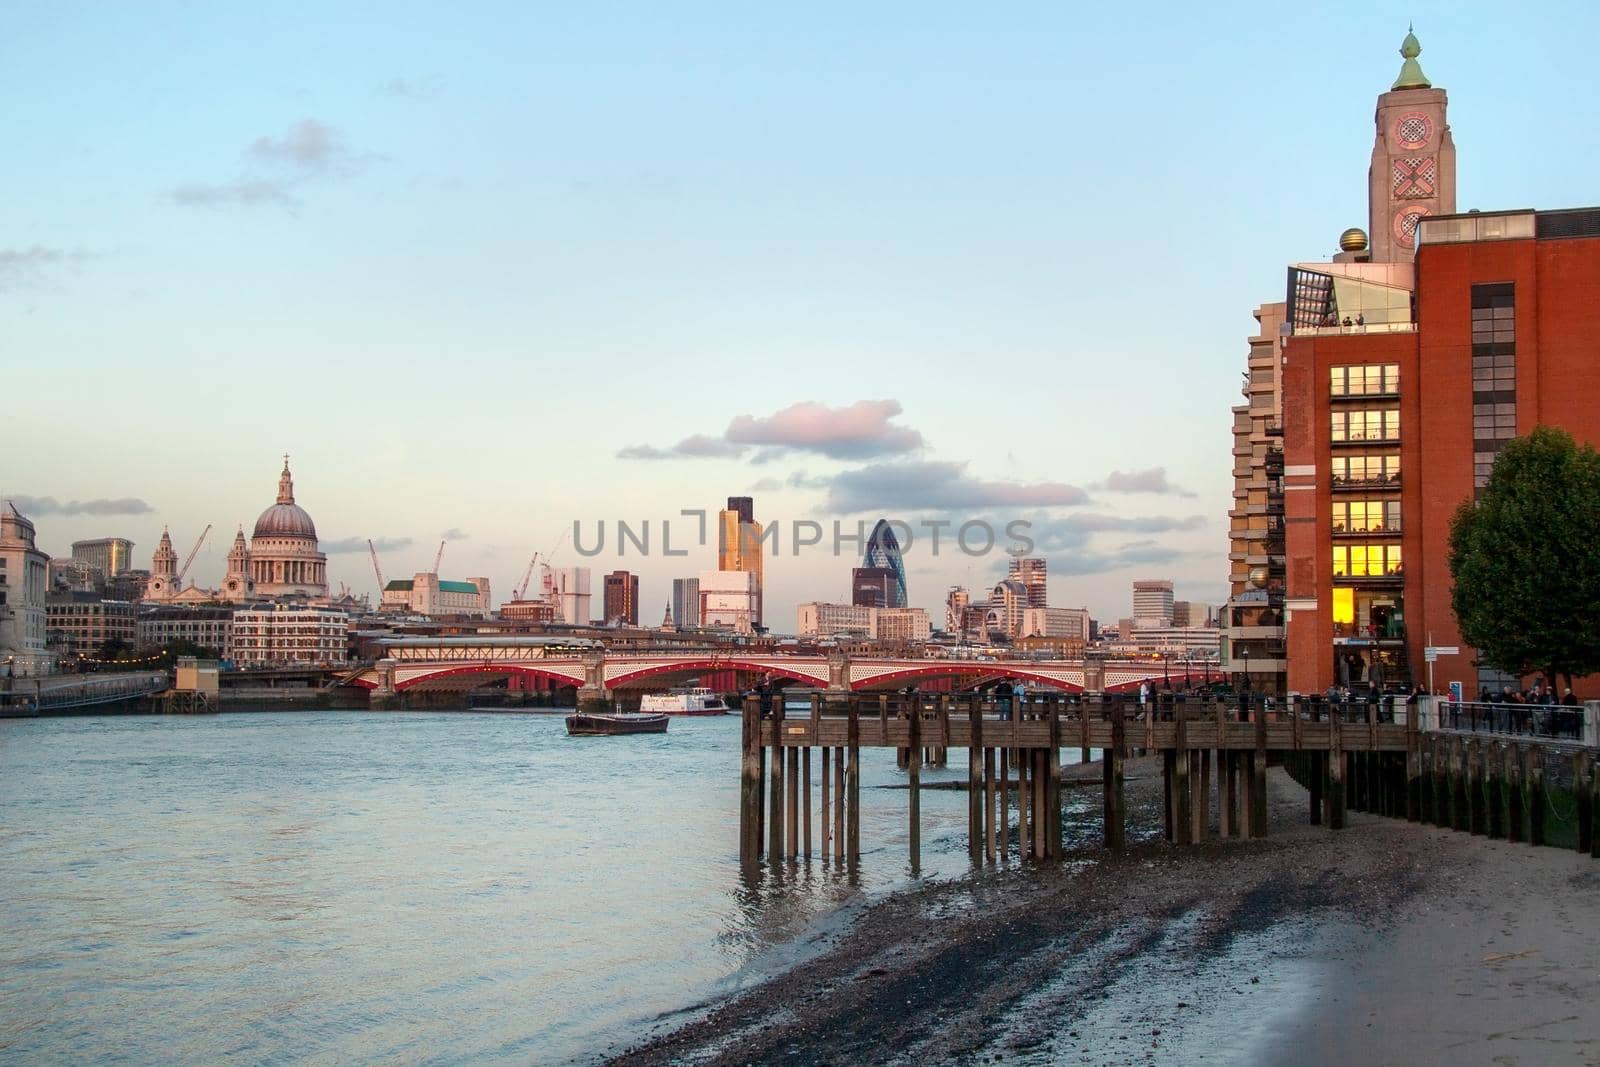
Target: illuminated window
1344, 604
1366, 379
1367, 561
1378, 424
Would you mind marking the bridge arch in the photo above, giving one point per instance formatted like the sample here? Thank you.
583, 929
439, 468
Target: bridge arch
973, 671
489, 672
805, 675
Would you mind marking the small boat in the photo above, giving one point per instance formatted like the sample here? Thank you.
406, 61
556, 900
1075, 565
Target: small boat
605, 724
696, 701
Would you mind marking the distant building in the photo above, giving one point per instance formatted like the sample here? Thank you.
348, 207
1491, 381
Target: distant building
1177, 641
1008, 604
108, 555
285, 559
528, 611
23, 582
207, 627
622, 598
428, 594
873, 587
1031, 571
1055, 622
1152, 600
955, 608
739, 546
729, 600
567, 591
80, 624
899, 624
288, 633
68, 575
686, 603
883, 550
1191, 613
818, 619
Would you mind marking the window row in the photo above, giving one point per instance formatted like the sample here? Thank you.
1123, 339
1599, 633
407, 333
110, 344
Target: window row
1366, 516
1382, 469
1375, 425
1372, 379
1366, 561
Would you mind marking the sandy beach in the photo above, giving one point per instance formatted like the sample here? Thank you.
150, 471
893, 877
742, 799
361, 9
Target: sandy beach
1387, 942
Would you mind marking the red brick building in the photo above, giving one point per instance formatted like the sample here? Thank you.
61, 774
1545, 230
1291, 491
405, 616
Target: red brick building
1406, 367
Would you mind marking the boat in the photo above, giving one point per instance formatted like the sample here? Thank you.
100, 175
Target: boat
696, 701
608, 723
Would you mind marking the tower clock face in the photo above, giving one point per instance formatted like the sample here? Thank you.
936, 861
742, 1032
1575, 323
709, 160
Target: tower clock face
1413, 129
1405, 225
1415, 177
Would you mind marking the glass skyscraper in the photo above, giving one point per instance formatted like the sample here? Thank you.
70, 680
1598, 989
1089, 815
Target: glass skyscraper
883, 550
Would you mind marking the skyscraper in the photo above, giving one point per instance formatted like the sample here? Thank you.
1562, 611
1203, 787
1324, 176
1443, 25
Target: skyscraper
1152, 601
883, 550
872, 587
686, 603
1031, 572
621, 602
739, 544
109, 555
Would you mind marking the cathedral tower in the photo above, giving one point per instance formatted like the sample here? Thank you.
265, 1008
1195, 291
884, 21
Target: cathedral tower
163, 583
1413, 169
237, 584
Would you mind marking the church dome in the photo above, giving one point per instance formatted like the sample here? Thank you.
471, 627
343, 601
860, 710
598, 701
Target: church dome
286, 518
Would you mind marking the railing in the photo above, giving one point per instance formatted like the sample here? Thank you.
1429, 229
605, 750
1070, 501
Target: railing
1555, 721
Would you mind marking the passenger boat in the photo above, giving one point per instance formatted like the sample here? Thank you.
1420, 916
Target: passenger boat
604, 724
683, 702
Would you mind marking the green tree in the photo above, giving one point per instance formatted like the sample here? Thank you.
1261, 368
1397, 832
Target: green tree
1525, 559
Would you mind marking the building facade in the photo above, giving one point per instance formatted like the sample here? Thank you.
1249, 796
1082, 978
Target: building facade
285, 558
566, 590
80, 624
428, 594
1055, 622
899, 625
207, 627
622, 598
1032, 572
883, 551
108, 555
872, 587
956, 602
729, 600
1152, 601
686, 603
288, 634
1007, 608
24, 580
739, 546
818, 619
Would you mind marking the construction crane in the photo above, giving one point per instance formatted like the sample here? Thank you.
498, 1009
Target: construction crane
437, 556
376, 570
177, 582
521, 591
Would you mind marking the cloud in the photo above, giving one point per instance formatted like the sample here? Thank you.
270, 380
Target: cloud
698, 446
859, 431
929, 485
767, 485
244, 193
455, 533
359, 544
1132, 554
21, 267
1153, 480
1072, 531
409, 88
49, 505
277, 167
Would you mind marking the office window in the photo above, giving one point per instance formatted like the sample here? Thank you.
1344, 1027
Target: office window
1376, 424
1370, 379
1366, 516
1367, 561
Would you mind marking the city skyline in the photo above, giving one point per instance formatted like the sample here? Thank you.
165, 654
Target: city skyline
245, 291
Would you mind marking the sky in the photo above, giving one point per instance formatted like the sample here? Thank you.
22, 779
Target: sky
489, 271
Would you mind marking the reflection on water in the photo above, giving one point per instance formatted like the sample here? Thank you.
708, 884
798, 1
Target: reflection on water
340, 884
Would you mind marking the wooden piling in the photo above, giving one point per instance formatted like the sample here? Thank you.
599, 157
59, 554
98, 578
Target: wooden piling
853, 788
1581, 785
824, 804
1516, 818
990, 811
775, 805
1203, 797
914, 772
1258, 775
1182, 794
1336, 810
1169, 763
838, 804
975, 783
1112, 771
1005, 803
750, 784
792, 827
1535, 778
805, 796
1413, 766
1052, 783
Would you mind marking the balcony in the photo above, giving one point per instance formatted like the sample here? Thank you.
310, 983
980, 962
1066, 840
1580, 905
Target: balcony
1339, 483
1363, 441
1379, 530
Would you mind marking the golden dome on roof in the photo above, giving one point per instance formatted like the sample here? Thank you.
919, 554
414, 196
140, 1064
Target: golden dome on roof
1353, 240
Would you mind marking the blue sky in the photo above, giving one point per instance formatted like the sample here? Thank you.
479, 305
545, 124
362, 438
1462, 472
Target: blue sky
456, 261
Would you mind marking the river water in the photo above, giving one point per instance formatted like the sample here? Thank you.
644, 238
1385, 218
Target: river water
455, 886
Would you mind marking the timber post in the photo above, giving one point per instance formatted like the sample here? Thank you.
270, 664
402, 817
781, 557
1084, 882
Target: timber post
1258, 775
1335, 769
853, 789
914, 771
1052, 821
1182, 819
975, 782
1413, 766
775, 804
750, 785
1112, 771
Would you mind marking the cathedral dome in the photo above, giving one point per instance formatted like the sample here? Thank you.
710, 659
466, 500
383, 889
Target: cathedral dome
285, 520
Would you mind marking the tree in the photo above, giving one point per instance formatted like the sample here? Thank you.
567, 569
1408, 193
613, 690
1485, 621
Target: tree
1525, 559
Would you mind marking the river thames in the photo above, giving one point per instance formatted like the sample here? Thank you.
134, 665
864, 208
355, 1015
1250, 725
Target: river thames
402, 886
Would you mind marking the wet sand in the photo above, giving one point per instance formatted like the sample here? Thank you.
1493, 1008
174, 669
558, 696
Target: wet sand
1385, 942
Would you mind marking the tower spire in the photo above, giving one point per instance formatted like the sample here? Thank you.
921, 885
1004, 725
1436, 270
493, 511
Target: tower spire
1411, 76
286, 483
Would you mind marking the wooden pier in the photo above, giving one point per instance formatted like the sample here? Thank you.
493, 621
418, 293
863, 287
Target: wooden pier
1014, 750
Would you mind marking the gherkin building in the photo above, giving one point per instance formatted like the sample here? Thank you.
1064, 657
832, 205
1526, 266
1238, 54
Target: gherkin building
883, 550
